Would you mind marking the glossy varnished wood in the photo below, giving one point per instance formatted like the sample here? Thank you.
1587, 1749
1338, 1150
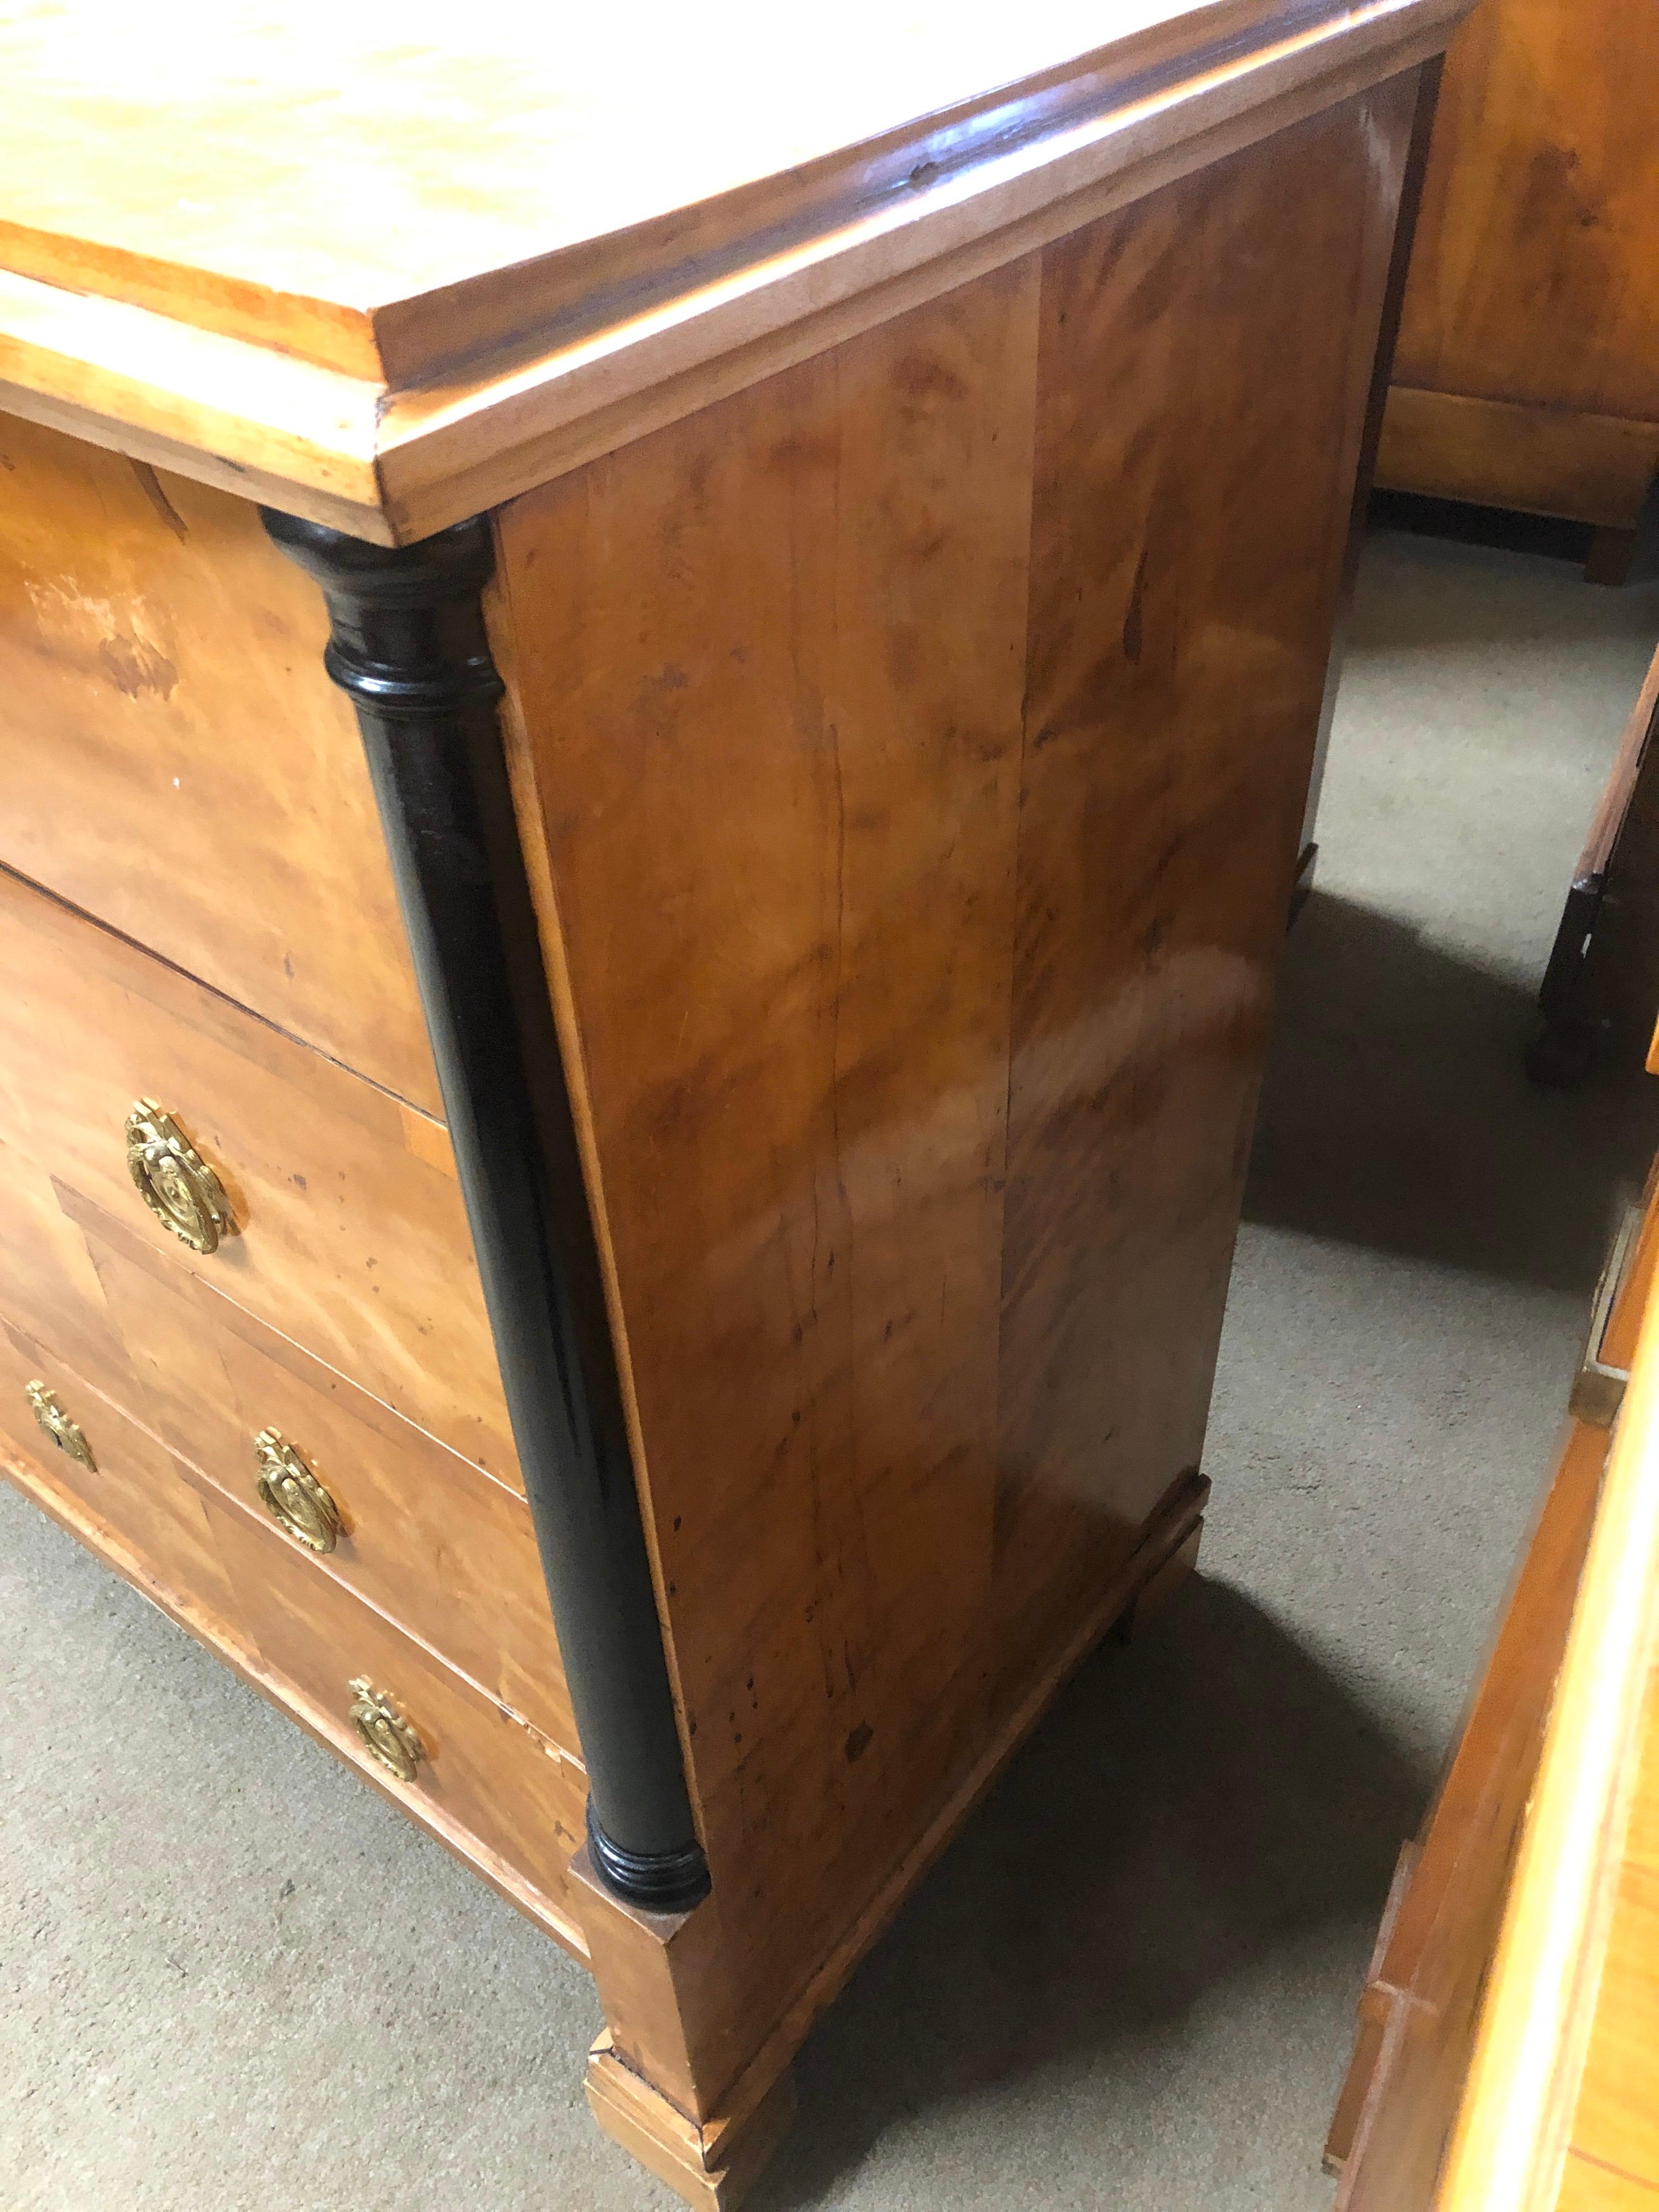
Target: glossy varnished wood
918, 743
47, 1275
1182, 589
351, 1236
516, 300
177, 763
815, 598
1528, 370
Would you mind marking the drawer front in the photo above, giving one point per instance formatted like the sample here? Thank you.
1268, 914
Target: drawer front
349, 1234
132, 1485
174, 760
48, 1283
424, 1535
480, 1771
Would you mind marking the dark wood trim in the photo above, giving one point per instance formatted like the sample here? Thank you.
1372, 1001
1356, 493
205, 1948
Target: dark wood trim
409, 646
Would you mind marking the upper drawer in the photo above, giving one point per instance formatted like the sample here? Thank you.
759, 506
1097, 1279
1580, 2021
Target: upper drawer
174, 760
349, 1235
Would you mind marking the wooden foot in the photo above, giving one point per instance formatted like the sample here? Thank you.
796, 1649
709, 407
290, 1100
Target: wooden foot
1155, 1592
1611, 557
712, 2166
1304, 881
677, 2078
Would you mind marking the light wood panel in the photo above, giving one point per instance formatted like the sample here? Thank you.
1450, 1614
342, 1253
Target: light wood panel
920, 742
1535, 287
177, 763
350, 1238
428, 1539
1615, 2127
1522, 2110
177, 295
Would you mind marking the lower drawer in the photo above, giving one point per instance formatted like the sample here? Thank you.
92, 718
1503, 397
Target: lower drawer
458, 1762
424, 1535
501, 1796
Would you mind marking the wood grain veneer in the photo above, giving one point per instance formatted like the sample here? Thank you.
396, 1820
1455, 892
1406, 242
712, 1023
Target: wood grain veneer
919, 752
215, 314
176, 761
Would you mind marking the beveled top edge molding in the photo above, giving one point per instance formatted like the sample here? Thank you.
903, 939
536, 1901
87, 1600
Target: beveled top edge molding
393, 462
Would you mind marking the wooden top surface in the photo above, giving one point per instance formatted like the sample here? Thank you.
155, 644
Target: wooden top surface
323, 161
417, 204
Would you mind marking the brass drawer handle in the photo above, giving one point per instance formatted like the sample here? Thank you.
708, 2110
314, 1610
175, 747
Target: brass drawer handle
174, 1180
66, 1434
391, 1739
293, 1496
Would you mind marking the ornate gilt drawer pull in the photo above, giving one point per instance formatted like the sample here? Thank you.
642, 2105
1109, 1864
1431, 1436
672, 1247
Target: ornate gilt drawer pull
66, 1434
390, 1737
293, 1496
174, 1180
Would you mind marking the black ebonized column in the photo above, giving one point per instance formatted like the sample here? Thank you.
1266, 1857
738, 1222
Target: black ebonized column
409, 645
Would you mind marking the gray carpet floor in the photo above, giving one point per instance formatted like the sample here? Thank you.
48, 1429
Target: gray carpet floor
231, 1978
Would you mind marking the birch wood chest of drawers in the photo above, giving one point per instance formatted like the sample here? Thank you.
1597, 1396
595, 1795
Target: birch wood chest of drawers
654, 724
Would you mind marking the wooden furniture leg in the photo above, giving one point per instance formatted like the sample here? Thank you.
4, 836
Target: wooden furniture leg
1603, 972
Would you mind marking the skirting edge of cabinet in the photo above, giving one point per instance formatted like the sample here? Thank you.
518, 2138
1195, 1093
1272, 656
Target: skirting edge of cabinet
649, 2012
76, 1521
1538, 460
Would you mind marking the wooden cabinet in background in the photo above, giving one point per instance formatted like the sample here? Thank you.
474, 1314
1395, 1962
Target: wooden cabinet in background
1527, 373
665, 1357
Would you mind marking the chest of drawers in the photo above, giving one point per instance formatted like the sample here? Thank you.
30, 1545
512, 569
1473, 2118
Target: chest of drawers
645, 821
